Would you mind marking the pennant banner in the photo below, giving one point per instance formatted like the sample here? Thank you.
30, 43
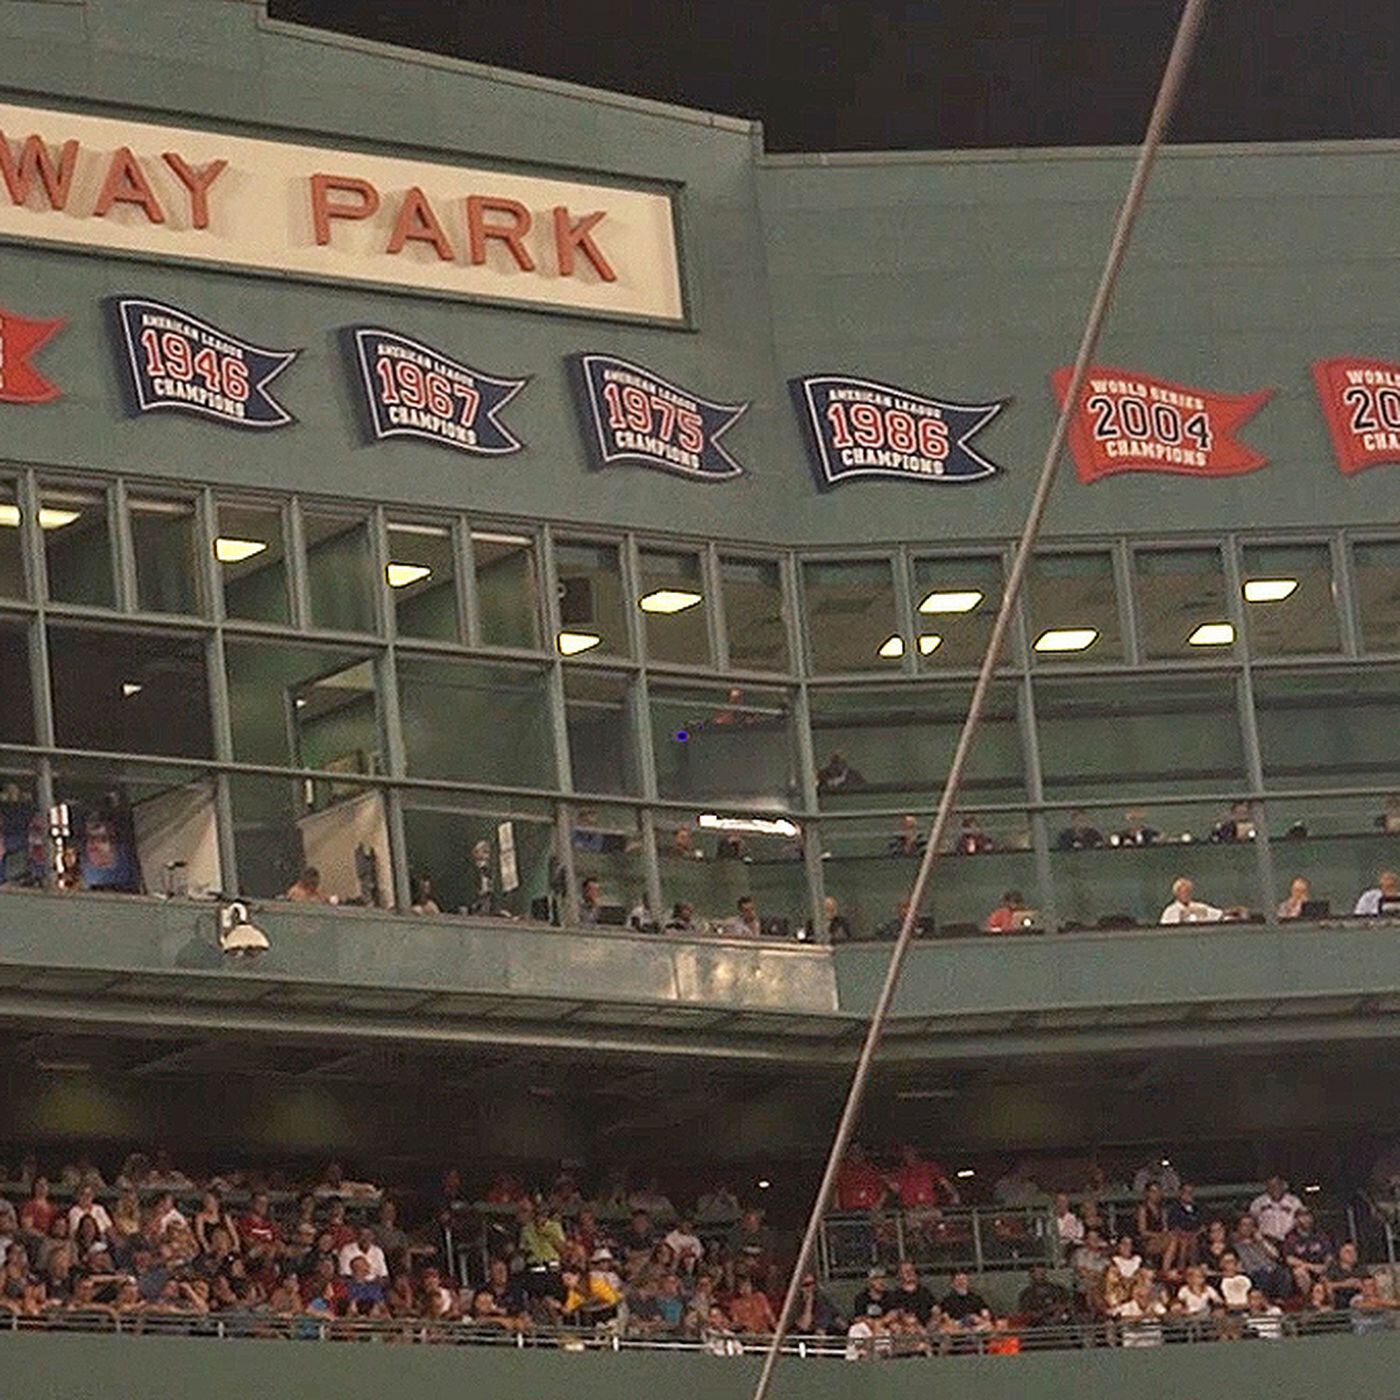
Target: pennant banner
1361, 403
856, 428
175, 360
1126, 422
20, 337
633, 415
412, 390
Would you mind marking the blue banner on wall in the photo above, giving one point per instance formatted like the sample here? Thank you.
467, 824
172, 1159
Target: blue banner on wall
858, 429
631, 414
175, 360
413, 390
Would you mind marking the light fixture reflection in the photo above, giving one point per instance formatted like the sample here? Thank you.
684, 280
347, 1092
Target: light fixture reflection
668, 600
954, 601
1268, 590
1067, 639
50, 517
929, 642
1212, 634
228, 550
571, 643
401, 575
892, 648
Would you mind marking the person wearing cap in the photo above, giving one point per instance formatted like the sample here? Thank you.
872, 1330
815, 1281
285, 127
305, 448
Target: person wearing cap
602, 1287
872, 1300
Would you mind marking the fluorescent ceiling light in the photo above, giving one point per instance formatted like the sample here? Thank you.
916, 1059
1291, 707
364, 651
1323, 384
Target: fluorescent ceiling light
571, 643
498, 537
301, 702
1268, 590
929, 642
966, 1173
407, 527
957, 601
130, 688
231, 551
50, 517
401, 575
756, 826
668, 600
1067, 639
891, 648
1212, 634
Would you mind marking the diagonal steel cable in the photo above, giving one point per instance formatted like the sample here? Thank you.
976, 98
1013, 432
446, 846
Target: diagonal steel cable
1168, 94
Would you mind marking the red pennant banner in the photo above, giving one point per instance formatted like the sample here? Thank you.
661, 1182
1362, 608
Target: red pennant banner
20, 382
1128, 422
1361, 403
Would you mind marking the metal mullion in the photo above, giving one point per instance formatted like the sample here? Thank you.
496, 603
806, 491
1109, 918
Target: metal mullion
385, 609
638, 709
32, 538
1345, 597
904, 609
1123, 597
811, 835
712, 580
209, 582
795, 614
464, 561
629, 564
123, 548
229, 880
564, 839
1035, 792
299, 587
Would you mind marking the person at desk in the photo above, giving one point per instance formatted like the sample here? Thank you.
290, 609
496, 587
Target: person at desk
1237, 826
1299, 894
590, 901
1382, 898
306, 888
1137, 832
908, 840
745, 923
838, 775
1389, 819
682, 923
1009, 915
1079, 835
1185, 908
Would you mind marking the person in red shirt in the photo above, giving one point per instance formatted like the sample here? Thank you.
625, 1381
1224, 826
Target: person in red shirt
37, 1213
859, 1185
341, 1231
919, 1183
258, 1230
324, 1282
750, 1311
1008, 915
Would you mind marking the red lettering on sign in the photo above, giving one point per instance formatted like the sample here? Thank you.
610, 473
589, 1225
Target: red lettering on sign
323, 211
511, 234
35, 159
197, 182
569, 236
418, 224
126, 183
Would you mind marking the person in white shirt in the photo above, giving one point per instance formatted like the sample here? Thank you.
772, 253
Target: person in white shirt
1263, 1317
1185, 908
1196, 1297
1069, 1228
87, 1206
1385, 890
363, 1246
1140, 1316
685, 1244
1275, 1210
1235, 1287
166, 1213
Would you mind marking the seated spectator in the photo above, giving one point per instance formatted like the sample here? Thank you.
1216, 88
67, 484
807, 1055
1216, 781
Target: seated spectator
745, 923
363, 1246
87, 1207
126, 1222
1079, 835
1196, 1297
1369, 1306
540, 1238
962, 1308
873, 1299
972, 840
1069, 1228
306, 888
1009, 915
1185, 908
718, 1337
590, 902
751, 1242
889, 932
1137, 832
1382, 898
1235, 1286
836, 775
211, 1213
421, 896
815, 1315
1275, 1210
1262, 1318
363, 1289
164, 1215
435, 1300
1238, 824
683, 844
908, 840
1043, 1302
859, 1185
865, 1337
907, 1335
682, 922
1121, 1275
834, 928
750, 1311
1259, 1257
1307, 1251
37, 1213
910, 1295
1299, 894
686, 1245
1185, 1221
1141, 1313
602, 1288
1320, 1299
1344, 1276
1152, 1226
637, 1241
258, 1230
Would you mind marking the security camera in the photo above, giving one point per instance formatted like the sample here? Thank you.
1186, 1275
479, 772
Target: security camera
238, 937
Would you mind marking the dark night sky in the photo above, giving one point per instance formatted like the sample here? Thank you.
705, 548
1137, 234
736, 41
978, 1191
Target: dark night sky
876, 74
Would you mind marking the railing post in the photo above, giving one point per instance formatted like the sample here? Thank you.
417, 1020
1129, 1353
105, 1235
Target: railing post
977, 1238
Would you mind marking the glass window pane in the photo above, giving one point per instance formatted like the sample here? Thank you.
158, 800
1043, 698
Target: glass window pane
136, 692
167, 561
1290, 601
283, 826
302, 706
1073, 608
717, 745
11, 544
608, 853
77, 545
1156, 737
955, 604
23, 840
754, 616
507, 588
1183, 608
340, 572
1337, 845
135, 828
422, 575
891, 747
1376, 575
1114, 865
602, 729
476, 722
592, 615
850, 615
480, 857
252, 562
673, 603
17, 711
738, 863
